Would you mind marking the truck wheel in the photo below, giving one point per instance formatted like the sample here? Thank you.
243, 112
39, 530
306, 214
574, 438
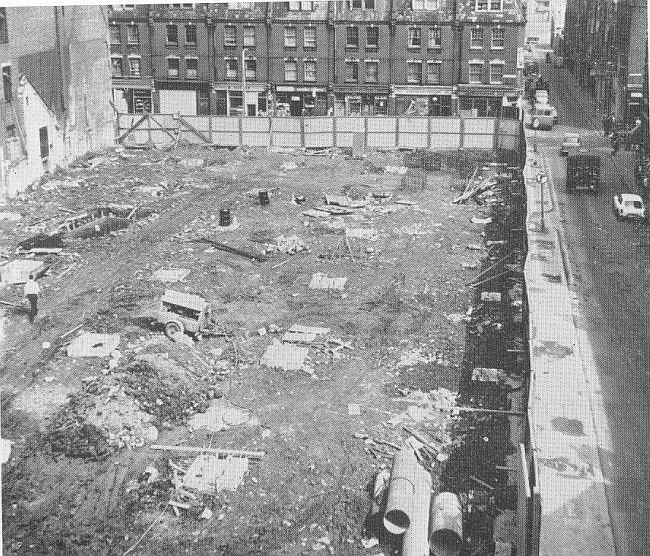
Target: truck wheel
172, 328
536, 123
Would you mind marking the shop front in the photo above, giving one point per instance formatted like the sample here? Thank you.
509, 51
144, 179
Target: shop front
487, 101
416, 100
300, 101
229, 99
361, 100
132, 96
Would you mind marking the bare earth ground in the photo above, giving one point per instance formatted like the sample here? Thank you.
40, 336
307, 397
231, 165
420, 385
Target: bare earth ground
313, 481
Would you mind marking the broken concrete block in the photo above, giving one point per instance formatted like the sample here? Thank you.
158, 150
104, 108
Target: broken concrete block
320, 281
5, 450
284, 356
93, 345
191, 162
494, 297
171, 274
208, 473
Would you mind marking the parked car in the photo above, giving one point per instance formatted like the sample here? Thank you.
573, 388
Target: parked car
542, 117
628, 205
570, 144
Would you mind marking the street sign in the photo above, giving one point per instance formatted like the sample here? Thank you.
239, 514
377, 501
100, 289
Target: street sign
542, 178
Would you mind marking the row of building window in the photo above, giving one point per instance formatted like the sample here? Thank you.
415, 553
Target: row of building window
431, 5
434, 37
414, 70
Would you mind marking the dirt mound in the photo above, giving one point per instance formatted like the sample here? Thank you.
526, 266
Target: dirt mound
98, 420
165, 389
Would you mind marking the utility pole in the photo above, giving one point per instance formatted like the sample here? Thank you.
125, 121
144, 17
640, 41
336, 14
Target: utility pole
542, 179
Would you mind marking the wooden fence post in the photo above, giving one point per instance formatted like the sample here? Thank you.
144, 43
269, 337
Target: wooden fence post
428, 132
365, 132
461, 131
241, 131
396, 132
210, 129
333, 131
149, 134
302, 131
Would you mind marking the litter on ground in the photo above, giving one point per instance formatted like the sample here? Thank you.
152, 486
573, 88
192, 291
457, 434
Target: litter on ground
320, 281
209, 473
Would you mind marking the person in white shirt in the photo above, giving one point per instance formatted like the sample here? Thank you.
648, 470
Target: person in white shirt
32, 290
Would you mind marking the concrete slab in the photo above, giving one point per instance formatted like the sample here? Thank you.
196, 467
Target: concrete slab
210, 473
303, 334
320, 281
93, 345
171, 274
18, 271
284, 356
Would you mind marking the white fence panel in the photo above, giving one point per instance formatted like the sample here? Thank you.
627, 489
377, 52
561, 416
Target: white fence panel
382, 124
445, 125
321, 140
350, 124
479, 125
445, 141
478, 141
281, 139
381, 140
255, 124
226, 139
344, 139
255, 138
225, 124
286, 124
413, 125
313, 125
412, 140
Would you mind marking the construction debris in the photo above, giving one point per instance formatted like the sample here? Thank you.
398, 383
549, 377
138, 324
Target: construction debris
288, 357
369, 234
287, 245
320, 281
303, 334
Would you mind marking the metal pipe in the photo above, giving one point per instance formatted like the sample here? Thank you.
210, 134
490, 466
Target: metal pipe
416, 538
404, 477
446, 536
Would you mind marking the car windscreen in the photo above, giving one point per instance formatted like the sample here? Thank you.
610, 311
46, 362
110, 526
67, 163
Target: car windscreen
636, 204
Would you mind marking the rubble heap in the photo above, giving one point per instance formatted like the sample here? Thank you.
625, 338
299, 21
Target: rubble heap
168, 391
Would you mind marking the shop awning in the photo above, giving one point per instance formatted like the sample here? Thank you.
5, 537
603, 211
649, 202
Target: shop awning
237, 86
132, 83
411, 90
487, 90
301, 89
362, 89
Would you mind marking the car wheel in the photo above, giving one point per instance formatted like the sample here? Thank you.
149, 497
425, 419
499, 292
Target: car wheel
172, 328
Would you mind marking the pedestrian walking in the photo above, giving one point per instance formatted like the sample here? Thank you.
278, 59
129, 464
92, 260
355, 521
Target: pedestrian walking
615, 143
606, 123
32, 290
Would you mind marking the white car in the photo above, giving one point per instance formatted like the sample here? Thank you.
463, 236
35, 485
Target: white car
628, 205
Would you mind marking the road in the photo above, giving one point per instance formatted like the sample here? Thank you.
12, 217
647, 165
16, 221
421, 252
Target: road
611, 278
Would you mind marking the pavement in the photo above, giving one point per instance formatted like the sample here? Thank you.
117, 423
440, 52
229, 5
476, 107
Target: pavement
564, 419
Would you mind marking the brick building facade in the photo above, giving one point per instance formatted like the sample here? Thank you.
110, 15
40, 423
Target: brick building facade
358, 57
605, 46
56, 85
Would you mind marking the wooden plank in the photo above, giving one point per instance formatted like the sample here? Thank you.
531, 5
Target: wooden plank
134, 126
217, 451
198, 133
162, 127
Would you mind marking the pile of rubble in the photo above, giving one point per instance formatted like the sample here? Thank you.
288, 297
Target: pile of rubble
168, 391
98, 420
287, 245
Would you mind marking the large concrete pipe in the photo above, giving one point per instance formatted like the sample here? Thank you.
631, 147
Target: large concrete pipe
446, 529
416, 538
403, 478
